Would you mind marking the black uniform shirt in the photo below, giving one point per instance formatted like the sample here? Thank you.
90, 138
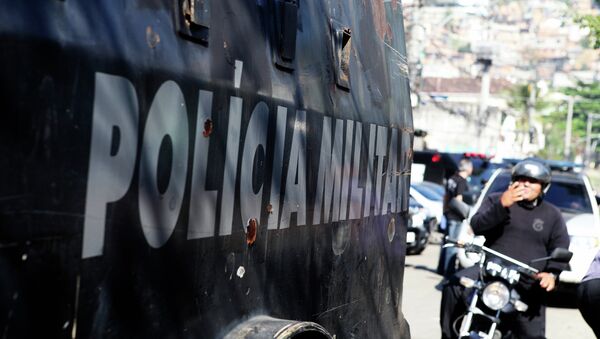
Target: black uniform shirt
455, 186
522, 233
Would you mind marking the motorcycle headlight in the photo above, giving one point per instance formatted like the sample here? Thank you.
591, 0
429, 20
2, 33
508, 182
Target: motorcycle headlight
496, 295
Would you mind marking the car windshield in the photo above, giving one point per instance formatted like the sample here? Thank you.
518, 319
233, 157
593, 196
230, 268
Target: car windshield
437, 188
478, 180
414, 203
567, 196
570, 197
427, 192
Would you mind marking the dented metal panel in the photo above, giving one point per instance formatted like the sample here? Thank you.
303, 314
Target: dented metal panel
175, 168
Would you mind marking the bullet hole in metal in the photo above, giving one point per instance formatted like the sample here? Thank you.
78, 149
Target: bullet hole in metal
152, 38
208, 128
251, 228
391, 229
270, 209
241, 271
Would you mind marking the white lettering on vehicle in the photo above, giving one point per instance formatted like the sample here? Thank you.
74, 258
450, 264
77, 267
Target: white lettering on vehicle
294, 199
203, 203
344, 174
356, 192
255, 143
167, 119
275, 196
115, 119
231, 161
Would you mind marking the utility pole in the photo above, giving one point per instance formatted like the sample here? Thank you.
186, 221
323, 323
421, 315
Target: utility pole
415, 48
528, 139
588, 139
567, 150
531, 107
486, 63
589, 136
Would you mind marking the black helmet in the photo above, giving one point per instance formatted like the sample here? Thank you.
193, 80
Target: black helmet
535, 169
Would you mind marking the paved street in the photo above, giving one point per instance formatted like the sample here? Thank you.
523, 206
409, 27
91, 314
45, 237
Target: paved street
421, 300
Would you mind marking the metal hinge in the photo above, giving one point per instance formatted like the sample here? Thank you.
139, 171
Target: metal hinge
342, 48
286, 26
194, 20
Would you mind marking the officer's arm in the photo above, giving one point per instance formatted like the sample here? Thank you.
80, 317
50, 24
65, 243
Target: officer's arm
490, 214
559, 238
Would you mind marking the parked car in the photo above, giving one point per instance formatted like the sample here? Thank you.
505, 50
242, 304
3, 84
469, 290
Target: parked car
437, 188
418, 232
431, 200
437, 166
440, 190
478, 179
572, 193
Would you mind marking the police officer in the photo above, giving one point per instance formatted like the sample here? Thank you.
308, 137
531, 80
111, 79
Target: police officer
588, 295
519, 223
456, 187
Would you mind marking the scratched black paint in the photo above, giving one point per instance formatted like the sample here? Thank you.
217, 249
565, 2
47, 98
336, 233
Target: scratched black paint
51, 51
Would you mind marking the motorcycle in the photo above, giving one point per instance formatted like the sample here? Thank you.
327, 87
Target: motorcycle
494, 292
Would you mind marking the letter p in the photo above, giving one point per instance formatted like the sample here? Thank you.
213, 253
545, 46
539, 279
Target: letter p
112, 155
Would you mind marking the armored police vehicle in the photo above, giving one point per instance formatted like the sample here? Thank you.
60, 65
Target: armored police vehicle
203, 168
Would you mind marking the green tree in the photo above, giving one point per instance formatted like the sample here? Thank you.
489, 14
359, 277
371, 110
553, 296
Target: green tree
592, 22
519, 97
587, 100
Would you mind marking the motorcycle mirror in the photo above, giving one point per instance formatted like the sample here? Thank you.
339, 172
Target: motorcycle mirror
561, 255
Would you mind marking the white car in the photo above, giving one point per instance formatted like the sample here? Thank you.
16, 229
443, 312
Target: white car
430, 199
573, 195
417, 234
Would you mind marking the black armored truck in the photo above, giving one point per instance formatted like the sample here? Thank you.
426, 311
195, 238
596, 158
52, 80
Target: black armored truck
203, 168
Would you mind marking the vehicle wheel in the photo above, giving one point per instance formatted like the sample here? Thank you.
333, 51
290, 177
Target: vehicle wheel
419, 250
265, 327
423, 243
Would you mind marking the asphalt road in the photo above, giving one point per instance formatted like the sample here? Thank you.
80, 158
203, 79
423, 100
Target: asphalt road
421, 302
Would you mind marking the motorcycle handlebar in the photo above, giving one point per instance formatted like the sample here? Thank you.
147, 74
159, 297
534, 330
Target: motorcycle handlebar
471, 247
468, 246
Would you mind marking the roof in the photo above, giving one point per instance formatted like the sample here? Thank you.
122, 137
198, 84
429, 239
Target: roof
462, 85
